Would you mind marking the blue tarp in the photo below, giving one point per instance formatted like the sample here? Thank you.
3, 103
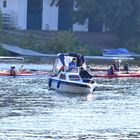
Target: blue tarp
117, 51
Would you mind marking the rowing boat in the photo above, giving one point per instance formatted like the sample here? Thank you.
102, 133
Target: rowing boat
6, 73
117, 75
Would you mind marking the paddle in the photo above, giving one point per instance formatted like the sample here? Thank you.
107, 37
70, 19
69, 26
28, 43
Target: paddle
28, 69
21, 67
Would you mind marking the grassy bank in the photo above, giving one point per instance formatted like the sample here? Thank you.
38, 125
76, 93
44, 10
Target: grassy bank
55, 42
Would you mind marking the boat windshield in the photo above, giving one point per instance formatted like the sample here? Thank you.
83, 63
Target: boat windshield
73, 70
74, 77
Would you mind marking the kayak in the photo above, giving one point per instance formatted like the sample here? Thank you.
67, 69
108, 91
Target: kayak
6, 73
105, 69
118, 75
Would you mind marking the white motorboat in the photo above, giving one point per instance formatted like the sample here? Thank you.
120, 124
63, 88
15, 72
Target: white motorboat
68, 81
71, 83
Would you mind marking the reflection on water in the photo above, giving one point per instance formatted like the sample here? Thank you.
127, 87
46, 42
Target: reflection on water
29, 111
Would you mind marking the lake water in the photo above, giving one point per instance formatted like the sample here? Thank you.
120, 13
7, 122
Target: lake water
29, 111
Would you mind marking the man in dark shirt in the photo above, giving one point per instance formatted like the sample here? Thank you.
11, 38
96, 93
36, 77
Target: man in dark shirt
85, 75
126, 68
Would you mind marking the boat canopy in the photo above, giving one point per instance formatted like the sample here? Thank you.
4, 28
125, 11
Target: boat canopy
62, 60
63, 57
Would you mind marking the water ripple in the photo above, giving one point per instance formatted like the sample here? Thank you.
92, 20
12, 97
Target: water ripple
29, 111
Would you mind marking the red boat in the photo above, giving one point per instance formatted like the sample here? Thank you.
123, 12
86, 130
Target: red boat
25, 73
117, 75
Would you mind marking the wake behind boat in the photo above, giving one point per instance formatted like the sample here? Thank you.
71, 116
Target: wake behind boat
68, 80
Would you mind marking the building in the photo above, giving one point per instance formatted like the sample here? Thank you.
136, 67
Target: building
40, 15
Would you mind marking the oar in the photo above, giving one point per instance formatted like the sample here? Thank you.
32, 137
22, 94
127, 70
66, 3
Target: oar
33, 70
21, 67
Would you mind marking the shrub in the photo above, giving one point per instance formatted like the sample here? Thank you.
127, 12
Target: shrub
133, 45
3, 52
28, 40
0, 21
65, 42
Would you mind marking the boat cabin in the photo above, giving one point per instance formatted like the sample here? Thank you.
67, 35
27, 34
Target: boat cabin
70, 76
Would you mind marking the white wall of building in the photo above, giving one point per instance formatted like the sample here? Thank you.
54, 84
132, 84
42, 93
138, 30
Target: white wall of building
11, 6
17, 9
22, 14
11, 9
79, 27
50, 16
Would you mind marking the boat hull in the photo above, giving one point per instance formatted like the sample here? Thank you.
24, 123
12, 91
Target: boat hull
69, 87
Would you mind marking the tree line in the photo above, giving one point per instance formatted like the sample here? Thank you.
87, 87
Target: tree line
122, 17
119, 16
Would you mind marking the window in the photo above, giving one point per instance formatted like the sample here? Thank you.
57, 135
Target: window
74, 77
4, 4
62, 76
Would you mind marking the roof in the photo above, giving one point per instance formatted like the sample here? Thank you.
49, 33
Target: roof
22, 51
63, 57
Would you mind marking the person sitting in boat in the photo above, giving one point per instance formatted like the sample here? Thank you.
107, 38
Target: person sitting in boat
13, 70
126, 68
116, 66
111, 70
72, 64
85, 76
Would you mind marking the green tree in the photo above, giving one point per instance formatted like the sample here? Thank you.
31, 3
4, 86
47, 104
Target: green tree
120, 16
0, 20
65, 42
28, 40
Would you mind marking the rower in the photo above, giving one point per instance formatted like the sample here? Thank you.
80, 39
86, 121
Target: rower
126, 68
115, 65
111, 70
13, 70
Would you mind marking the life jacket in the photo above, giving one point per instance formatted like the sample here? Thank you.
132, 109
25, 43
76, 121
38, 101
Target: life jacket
110, 72
12, 72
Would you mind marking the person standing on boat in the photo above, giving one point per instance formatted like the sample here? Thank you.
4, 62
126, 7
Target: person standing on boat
85, 76
72, 64
80, 60
13, 70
